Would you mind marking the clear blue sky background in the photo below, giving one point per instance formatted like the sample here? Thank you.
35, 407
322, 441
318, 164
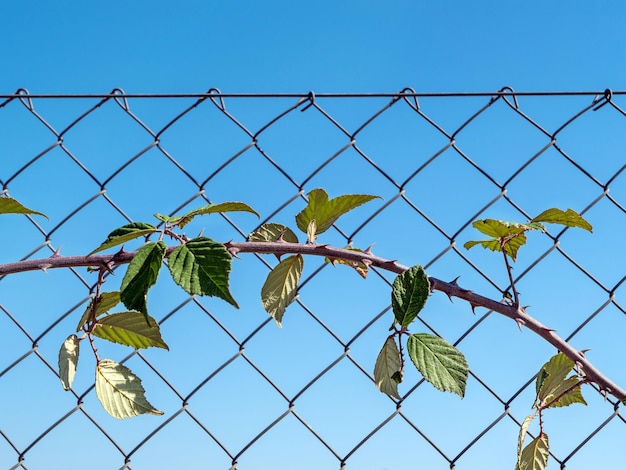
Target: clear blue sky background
282, 46
293, 47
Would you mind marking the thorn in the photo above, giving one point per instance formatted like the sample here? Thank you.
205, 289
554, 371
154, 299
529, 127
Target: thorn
473, 305
579, 367
322, 246
201, 232
56, 253
584, 351
366, 262
454, 281
368, 250
121, 251
520, 323
548, 330
232, 250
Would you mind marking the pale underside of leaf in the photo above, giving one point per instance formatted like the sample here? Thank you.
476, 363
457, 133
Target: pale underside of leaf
281, 286
522, 436
388, 368
132, 329
535, 455
68, 361
439, 362
120, 391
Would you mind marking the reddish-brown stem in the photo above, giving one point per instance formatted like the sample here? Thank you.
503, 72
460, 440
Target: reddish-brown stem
514, 312
510, 274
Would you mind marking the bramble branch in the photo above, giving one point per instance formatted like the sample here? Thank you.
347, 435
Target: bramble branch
452, 289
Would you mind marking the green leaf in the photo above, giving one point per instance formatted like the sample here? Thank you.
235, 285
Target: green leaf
130, 329
439, 362
184, 219
281, 286
326, 212
511, 234
552, 373
141, 274
554, 388
387, 370
522, 437
498, 228
120, 391
68, 361
125, 234
202, 267
9, 205
273, 232
535, 455
107, 301
409, 294
569, 218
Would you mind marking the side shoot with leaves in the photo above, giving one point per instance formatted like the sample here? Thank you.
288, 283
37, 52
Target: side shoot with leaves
201, 266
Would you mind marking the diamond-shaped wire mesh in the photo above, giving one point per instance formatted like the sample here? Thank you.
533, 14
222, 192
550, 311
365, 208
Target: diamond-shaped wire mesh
237, 391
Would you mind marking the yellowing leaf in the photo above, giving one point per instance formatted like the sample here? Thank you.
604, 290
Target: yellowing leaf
107, 301
273, 232
184, 219
325, 212
281, 286
522, 437
554, 388
68, 361
120, 391
569, 218
387, 371
535, 455
11, 206
132, 329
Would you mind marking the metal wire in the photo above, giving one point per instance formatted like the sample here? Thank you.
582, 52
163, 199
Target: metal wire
450, 125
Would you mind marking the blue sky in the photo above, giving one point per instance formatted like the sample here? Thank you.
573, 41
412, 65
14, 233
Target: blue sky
70, 47
282, 46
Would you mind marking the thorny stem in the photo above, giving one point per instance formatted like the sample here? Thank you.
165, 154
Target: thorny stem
398, 332
509, 270
93, 348
452, 289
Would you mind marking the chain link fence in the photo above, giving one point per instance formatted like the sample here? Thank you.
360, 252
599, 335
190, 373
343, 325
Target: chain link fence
238, 392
